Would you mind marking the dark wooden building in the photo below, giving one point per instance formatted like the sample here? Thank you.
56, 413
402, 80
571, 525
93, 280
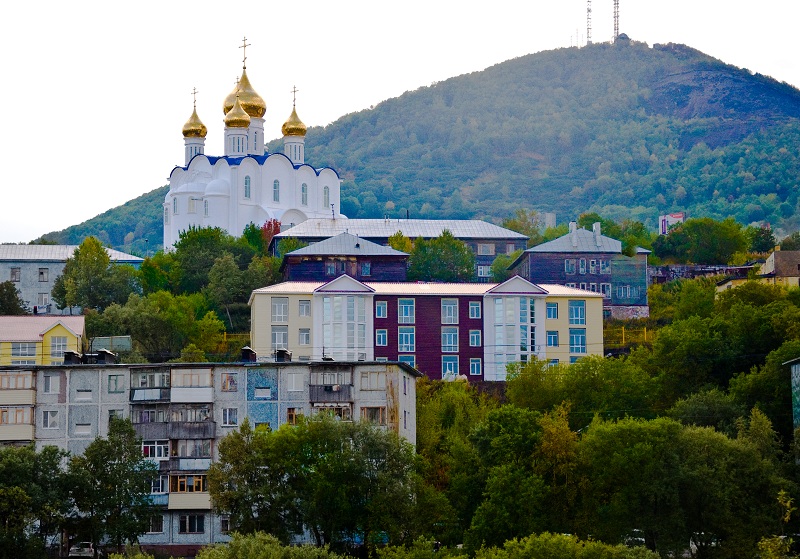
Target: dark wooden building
345, 254
589, 260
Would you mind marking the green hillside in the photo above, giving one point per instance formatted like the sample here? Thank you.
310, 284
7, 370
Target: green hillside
625, 130
135, 227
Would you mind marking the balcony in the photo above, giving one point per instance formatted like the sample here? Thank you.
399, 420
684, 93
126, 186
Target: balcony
189, 464
17, 397
151, 431
330, 393
192, 501
192, 394
19, 432
149, 394
191, 430
159, 499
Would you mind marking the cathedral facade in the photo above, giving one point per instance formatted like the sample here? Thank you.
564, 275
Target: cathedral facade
246, 184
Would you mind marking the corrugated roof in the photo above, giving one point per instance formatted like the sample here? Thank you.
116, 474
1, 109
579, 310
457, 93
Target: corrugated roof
421, 288
346, 244
411, 228
55, 253
30, 328
580, 240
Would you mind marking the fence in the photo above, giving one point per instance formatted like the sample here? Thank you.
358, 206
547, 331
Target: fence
625, 337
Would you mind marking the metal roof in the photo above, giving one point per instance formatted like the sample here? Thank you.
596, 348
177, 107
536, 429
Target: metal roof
346, 244
421, 288
30, 328
411, 228
55, 253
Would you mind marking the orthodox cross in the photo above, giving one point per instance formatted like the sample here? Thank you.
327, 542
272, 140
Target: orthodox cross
244, 52
194, 96
294, 95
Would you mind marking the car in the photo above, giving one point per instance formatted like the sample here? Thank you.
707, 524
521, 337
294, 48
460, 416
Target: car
82, 549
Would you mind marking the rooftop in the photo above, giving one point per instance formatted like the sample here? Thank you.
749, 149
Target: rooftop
56, 253
29, 328
422, 288
345, 244
411, 228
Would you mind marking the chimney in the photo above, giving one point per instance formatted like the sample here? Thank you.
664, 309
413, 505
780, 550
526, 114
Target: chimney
596, 231
248, 355
573, 233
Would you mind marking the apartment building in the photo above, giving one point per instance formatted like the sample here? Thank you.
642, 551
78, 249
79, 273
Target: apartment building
442, 329
182, 411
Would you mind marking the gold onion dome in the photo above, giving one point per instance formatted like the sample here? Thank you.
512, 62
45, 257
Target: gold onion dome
251, 102
194, 128
237, 117
294, 126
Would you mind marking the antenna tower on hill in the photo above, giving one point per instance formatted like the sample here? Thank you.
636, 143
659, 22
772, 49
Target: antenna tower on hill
588, 22
616, 19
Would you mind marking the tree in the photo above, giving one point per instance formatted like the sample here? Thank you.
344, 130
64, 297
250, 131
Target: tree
225, 283
444, 258
500, 271
339, 480
91, 281
112, 481
33, 498
791, 242
287, 245
195, 253
400, 242
260, 545
760, 239
528, 223
702, 241
11, 302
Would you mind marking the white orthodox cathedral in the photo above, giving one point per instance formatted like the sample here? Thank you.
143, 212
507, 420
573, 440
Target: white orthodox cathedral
247, 184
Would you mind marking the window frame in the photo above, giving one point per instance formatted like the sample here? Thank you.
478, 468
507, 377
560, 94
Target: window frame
381, 309
449, 339
577, 311
406, 339
475, 309
381, 337
475, 335
403, 307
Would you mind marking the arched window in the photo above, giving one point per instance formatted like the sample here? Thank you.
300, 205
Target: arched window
326, 197
205, 207
175, 206
166, 216
276, 191
304, 194
247, 187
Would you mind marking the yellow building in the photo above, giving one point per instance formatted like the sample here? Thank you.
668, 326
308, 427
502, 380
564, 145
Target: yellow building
39, 340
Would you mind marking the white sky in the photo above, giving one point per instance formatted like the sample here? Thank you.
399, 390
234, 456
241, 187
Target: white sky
94, 94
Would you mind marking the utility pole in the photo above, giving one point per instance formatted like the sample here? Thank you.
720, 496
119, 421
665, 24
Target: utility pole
616, 19
588, 22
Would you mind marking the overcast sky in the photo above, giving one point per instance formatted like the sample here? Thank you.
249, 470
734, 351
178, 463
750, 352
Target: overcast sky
95, 94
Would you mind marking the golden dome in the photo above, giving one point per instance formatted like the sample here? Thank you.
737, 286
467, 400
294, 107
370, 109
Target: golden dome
294, 126
194, 128
251, 102
237, 117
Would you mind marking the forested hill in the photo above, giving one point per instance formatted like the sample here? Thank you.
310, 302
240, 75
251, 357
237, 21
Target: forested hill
626, 130
135, 227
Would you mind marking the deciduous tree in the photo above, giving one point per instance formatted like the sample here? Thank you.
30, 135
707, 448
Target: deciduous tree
112, 486
11, 302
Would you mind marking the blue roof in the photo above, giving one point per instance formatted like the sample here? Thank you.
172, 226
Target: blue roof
260, 159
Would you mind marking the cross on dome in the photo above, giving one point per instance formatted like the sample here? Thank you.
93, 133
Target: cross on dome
194, 96
244, 52
294, 95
